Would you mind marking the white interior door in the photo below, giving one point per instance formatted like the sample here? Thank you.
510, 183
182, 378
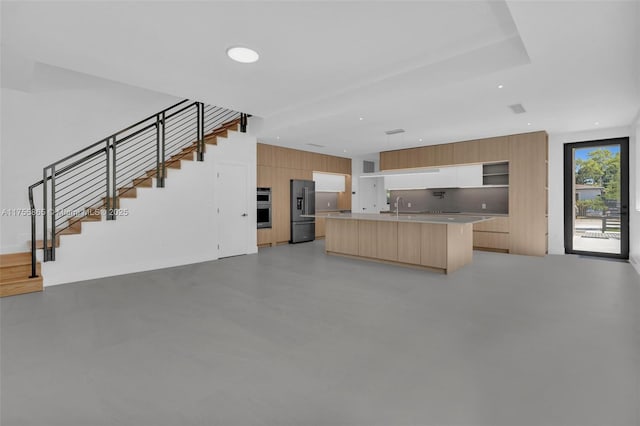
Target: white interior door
233, 214
369, 195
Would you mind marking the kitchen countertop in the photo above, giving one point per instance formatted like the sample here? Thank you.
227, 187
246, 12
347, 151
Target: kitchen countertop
449, 213
413, 218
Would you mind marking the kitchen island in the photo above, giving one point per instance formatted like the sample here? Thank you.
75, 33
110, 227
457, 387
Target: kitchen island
437, 242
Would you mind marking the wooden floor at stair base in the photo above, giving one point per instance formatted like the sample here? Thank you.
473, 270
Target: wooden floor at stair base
15, 269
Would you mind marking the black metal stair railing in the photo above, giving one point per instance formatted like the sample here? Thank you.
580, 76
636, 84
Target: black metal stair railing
91, 181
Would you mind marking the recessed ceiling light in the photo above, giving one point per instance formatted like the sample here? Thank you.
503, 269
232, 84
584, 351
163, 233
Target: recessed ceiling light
361, 118
597, 123
500, 86
528, 124
277, 137
420, 140
242, 54
344, 150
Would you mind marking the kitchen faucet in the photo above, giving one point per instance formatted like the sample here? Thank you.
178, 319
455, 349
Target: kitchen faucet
398, 198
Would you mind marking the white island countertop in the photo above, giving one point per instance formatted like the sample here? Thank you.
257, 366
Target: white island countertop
414, 218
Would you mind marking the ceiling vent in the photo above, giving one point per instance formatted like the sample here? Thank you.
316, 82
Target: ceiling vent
368, 166
517, 109
316, 145
394, 131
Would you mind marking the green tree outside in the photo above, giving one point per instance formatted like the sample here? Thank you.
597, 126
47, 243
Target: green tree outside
601, 168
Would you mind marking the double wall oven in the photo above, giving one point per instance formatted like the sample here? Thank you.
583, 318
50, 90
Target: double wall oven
264, 207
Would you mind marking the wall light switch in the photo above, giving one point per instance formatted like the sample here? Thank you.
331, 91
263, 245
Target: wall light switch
328, 203
484, 206
408, 204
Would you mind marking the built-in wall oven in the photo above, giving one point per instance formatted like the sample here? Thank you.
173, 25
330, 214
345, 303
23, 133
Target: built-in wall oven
263, 203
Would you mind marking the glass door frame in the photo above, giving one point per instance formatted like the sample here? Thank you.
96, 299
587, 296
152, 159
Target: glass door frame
569, 196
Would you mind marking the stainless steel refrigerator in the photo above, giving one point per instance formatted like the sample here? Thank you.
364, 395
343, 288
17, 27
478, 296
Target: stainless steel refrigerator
303, 202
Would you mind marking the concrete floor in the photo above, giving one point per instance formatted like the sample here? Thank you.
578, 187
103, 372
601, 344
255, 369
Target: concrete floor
602, 245
293, 337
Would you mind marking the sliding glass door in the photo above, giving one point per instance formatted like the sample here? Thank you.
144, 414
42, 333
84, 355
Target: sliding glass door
596, 189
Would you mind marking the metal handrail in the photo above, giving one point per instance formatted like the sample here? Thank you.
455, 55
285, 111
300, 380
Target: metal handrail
101, 141
175, 128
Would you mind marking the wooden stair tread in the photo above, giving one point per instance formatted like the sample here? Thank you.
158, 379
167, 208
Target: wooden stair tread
26, 285
40, 243
15, 259
130, 192
69, 231
144, 182
8, 279
11, 273
91, 218
185, 156
104, 204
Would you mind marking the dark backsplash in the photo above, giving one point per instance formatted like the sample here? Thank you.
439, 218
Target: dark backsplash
469, 200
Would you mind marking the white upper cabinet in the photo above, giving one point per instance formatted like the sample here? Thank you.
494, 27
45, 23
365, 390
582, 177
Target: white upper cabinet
445, 177
326, 182
469, 175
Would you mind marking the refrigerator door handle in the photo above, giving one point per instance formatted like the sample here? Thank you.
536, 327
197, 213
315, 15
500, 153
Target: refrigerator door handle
305, 194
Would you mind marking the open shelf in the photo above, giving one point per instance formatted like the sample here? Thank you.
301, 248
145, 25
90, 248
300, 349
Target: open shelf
495, 174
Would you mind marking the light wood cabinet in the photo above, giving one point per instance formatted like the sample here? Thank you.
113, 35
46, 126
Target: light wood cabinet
433, 251
265, 176
526, 154
481, 151
333, 164
344, 198
387, 234
276, 166
404, 156
367, 238
497, 224
459, 245
265, 155
491, 240
264, 237
426, 156
442, 246
320, 227
527, 194
409, 242
280, 214
319, 163
342, 236
389, 160
492, 235
306, 160
436, 155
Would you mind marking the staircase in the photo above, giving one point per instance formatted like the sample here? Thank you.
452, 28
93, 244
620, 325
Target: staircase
15, 270
87, 186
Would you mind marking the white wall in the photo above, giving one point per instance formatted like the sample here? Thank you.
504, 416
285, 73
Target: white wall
367, 197
170, 226
56, 113
634, 193
556, 179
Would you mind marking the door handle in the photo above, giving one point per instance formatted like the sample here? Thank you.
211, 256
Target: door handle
244, 214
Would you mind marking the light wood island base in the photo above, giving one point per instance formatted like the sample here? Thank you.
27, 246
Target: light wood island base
442, 247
